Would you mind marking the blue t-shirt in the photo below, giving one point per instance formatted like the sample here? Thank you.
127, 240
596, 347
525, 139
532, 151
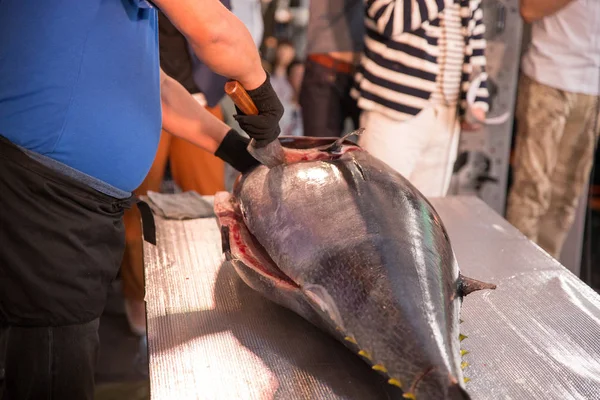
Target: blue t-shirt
80, 83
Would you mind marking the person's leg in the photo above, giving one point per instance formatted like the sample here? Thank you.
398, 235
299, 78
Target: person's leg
541, 116
397, 143
321, 102
353, 111
433, 170
349, 104
196, 169
51, 362
571, 174
132, 266
3, 338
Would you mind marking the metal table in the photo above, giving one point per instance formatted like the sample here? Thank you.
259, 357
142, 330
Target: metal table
537, 336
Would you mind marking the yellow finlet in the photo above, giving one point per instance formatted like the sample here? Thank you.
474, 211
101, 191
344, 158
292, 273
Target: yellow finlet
394, 382
350, 339
464, 352
464, 365
466, 379
409, 396
380, 368
364, 354
462, 337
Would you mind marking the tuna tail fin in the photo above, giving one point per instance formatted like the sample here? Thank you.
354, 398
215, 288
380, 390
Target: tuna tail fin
468, 285
457, 392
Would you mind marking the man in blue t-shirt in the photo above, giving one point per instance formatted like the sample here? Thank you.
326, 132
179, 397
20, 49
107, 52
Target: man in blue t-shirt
82, 102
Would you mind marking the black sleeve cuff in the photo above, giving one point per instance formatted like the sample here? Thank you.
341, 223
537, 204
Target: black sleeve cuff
233, 150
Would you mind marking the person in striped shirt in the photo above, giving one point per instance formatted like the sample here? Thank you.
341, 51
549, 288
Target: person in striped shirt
421, 58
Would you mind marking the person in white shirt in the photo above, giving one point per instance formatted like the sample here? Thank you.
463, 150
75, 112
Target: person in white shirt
250, 13
557, 118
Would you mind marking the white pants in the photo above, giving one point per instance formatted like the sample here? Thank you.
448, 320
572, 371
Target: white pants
423, 149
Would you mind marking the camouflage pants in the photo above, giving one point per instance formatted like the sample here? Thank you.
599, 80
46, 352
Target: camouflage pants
556, 135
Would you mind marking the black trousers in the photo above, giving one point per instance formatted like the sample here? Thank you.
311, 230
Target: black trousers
61, 244
325, 101
50, 362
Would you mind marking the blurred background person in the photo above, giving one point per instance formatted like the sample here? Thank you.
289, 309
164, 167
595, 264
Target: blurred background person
284, 20
557, 115
412, 85
298, 22
282, 85
250, 13
295, 77
334, 41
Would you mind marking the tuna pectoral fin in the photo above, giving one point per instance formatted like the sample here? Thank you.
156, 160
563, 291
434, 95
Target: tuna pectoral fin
468, 285
325, 303
456, 392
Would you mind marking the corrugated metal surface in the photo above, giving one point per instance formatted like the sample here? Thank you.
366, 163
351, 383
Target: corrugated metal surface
211, 337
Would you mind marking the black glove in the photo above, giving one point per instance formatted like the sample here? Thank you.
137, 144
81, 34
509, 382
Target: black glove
233, 150
264, 127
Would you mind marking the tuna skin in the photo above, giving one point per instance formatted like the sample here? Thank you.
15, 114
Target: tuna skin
354, 248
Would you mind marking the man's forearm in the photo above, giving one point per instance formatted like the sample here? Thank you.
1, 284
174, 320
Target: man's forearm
184, 117
532, 10
218, 37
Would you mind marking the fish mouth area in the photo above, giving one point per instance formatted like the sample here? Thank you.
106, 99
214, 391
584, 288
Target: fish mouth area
303, 148
310, 142
239, 244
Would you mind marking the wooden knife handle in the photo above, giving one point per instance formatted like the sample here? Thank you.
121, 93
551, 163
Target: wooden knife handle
241, 98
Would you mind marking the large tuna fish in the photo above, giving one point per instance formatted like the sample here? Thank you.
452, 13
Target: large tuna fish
346, 242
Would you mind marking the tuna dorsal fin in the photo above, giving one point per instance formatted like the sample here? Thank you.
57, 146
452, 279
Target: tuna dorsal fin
337, 145
468, 285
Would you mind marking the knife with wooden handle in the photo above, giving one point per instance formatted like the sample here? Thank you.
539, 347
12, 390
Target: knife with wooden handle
270, 155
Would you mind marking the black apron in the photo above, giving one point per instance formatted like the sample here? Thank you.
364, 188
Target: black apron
61, 244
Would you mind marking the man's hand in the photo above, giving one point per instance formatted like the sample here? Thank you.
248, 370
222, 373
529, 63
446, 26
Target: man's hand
264, 127
234, 151
477, 121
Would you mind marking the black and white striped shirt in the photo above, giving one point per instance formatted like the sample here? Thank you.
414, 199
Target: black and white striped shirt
400, 66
